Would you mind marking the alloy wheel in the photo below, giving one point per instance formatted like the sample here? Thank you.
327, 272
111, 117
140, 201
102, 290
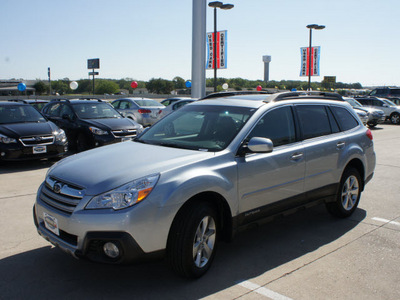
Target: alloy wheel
350, 192
204, 241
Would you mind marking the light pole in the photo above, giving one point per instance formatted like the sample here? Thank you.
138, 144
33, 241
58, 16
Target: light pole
311, 27
215, 5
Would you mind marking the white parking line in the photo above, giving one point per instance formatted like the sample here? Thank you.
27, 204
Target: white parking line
263, 291
386, 221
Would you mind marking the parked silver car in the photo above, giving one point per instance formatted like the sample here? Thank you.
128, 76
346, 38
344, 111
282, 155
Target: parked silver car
175, 106
202, 173
143, 111
374, 116
391, 110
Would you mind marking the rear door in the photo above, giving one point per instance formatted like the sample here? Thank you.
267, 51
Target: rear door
323, 143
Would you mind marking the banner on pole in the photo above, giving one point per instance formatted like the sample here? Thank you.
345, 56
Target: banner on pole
305, 55
220, 50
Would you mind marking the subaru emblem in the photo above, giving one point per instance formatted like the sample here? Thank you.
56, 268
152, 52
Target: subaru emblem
57, 188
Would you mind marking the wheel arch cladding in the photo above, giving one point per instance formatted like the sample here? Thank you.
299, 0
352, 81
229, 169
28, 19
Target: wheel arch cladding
359, 166
219, 203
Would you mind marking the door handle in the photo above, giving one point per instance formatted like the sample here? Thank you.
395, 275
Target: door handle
340, 145
296, 156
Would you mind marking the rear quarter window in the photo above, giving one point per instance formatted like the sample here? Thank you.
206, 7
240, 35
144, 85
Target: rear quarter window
345, 119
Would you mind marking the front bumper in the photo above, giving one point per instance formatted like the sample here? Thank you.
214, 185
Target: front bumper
103, 140
14, 152
83, 233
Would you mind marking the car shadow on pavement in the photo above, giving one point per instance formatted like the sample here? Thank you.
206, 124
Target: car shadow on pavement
47, 272
28, 165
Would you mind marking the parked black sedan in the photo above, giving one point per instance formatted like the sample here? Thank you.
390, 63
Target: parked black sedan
90, 123
26, 134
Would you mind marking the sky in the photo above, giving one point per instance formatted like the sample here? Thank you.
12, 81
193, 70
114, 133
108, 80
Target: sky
153, 39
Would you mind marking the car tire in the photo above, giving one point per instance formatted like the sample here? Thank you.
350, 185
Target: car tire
192, 242
348, 194
371, 125
81, 143
395, 118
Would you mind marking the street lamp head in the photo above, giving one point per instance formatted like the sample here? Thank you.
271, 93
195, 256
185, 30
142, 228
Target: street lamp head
215, 4
315, 26
227, 6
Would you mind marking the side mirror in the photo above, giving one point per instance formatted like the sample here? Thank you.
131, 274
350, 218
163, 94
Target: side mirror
259, 145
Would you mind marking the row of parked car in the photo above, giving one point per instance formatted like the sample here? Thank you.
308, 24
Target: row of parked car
35, 129
61, 125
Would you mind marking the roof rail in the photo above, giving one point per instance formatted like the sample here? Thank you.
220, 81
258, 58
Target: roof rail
304, 95
91, 98
17, 100
60, 99
229, 94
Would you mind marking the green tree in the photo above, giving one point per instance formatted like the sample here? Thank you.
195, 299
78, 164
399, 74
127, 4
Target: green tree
60, 86
106, 87
160, 86
85, 86
41, 87
179, 82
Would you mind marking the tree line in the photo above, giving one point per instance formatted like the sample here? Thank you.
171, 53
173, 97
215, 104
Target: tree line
164, 86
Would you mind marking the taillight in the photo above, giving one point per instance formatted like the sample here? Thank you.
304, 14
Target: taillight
144, 111
160, 111
369, 134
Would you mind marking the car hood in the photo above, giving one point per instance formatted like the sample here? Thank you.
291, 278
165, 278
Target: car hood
360, 112
103, 169
112, 123
17, 130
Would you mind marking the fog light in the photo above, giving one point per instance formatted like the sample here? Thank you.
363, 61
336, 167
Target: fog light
111, 250
3, 154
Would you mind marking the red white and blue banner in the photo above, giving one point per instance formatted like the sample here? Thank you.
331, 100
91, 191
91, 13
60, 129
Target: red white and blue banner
305, 55
220, 50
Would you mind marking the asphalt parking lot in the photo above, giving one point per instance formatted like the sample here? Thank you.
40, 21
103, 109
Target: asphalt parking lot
307, 255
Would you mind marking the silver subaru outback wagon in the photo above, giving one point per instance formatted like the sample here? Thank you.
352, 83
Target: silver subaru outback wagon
202, 173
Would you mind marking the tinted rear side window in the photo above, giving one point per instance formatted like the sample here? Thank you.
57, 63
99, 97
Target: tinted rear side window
314, 120
364, 101
395, 92
345, 118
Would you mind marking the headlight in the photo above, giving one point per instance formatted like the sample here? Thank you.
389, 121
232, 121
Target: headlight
139, 129
98, 131
60, 135
6, 140
125, 196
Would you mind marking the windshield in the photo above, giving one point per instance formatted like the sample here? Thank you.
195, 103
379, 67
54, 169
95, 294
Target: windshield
198, 127
389, 102
20, 114
353, 102
147, 102
97, 110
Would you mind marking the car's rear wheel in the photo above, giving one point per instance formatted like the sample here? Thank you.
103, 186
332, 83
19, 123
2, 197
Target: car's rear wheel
371, 125
348, 194
395, 118
192, 241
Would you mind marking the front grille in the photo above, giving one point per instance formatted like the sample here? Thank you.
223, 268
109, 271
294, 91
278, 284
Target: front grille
61, 196
128, 133
39, 140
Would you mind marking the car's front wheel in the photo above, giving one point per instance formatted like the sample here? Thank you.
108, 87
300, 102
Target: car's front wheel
192, 241
348, 194
395, 118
